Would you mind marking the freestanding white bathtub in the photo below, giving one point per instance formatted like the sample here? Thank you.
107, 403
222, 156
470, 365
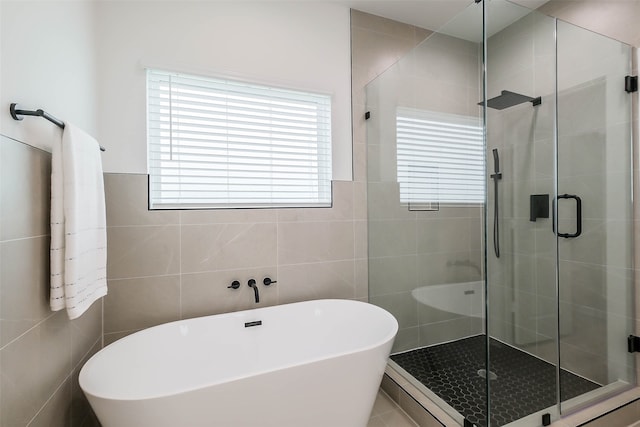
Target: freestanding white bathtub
314, 363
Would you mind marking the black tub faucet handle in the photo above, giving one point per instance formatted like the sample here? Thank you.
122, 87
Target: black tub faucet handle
267, 281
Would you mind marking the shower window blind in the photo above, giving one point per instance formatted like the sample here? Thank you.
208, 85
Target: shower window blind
219, 143
440, 158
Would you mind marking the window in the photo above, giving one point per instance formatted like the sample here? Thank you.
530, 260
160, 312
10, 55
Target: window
440, 158
219, 143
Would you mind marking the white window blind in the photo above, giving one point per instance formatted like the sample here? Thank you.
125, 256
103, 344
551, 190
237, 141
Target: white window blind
219, 143
440, 157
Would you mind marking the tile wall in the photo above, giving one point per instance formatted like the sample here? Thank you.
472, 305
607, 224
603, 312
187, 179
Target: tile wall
41, 352
176, 264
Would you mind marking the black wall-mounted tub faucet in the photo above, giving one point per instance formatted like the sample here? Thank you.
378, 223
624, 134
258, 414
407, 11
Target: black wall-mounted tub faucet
252, 284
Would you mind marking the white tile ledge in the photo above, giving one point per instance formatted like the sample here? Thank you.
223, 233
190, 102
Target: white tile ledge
427, 404
592, 412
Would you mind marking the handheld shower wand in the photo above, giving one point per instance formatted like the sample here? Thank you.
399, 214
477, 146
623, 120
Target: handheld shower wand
497, 175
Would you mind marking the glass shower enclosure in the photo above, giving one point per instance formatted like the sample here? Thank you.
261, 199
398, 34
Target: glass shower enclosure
499, 157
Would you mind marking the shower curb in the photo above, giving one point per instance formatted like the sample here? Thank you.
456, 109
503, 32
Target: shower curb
622, 410
424, 412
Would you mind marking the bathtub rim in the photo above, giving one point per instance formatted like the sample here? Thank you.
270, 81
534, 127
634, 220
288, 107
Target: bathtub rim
186, 389
442, 286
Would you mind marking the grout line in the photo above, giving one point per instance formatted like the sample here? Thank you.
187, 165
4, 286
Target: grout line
180, 266
86, 353
19, 239
278, 212
67, 378
200, 224
131, 331
102, 326
169, 224
119, 279
53, 313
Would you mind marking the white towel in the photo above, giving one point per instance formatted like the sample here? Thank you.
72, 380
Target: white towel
78, 223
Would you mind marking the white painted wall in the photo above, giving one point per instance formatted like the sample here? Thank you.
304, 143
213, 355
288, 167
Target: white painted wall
302, 45
47, 61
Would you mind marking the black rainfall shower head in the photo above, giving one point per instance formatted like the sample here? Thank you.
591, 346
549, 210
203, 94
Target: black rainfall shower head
508, 99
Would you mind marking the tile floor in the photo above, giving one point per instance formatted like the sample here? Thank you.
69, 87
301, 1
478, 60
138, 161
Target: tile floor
386, 413
524, 384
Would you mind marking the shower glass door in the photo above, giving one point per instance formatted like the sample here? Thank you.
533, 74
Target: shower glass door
595, 211
521, 280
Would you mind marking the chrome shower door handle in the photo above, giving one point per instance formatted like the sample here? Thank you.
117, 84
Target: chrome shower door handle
578, 216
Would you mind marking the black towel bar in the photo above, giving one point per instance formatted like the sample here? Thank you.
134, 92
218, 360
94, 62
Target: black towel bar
17, 114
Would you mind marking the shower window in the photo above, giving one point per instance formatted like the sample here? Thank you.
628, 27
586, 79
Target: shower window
220, 143
440, 158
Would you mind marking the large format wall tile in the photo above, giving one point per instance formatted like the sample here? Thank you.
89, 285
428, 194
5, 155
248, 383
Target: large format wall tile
85, 330
81, 413
227, 246
40, 351
341, 208
55, 412
392, 274
304, 242
392, 238
33, 367
402, 305
227, 216
143, 251
303, 282
128, 204
23, 286
141, 302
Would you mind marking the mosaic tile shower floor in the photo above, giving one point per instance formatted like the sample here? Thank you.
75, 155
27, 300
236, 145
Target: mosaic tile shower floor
524, 383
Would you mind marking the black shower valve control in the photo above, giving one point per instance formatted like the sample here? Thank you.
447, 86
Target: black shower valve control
234, 285
267, 281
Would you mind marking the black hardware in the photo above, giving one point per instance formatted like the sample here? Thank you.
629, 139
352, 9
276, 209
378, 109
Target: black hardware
631, 83
252, 284
267, 281
468, 423
367, 115
546, 419
538, 206
234, 285
477, 1
508, 99
578, 216
496, 177
17, 114
633, 344
254, 323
